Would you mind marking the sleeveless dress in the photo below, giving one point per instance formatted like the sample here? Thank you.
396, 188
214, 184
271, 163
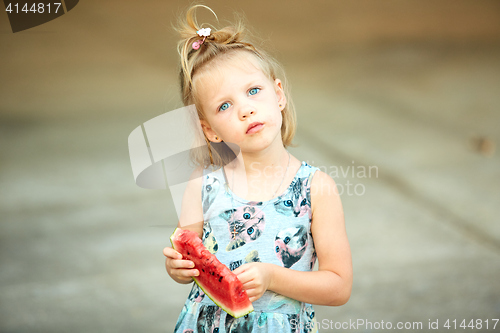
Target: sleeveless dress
239, 231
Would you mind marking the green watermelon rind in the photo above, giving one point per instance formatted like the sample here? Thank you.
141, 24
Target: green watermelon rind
233, 314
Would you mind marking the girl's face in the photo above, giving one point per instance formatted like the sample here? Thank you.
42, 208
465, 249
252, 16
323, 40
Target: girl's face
241, 104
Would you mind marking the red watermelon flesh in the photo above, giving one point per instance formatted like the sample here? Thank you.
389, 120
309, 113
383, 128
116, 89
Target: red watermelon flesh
215, 279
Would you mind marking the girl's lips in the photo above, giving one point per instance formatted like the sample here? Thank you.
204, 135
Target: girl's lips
254, 128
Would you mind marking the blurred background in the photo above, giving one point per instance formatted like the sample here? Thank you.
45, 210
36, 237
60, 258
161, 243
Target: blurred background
409, 88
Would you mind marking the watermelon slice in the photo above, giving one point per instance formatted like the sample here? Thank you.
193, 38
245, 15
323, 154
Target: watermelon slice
215, 279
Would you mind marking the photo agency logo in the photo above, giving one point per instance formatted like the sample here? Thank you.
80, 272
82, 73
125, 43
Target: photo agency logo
349, 179
163, 151
28, 14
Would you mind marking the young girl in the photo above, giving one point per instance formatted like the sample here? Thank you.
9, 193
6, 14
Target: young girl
264, 214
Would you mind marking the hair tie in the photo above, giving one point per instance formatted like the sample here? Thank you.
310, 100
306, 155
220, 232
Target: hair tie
205, 32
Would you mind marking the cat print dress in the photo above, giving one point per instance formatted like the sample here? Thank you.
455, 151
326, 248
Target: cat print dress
238, 231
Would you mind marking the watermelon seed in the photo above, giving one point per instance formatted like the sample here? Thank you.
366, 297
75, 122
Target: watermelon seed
220, 279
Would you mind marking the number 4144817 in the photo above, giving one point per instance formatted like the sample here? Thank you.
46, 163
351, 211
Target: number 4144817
35, 8
474, 324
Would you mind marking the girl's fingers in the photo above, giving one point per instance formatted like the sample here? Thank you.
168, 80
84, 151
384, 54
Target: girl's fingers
249, 284
238, 271
188, 273
242, 269
171, 253
167, 252
176, 264
183, 273
253, 295
250, 292
243, 275
182, 268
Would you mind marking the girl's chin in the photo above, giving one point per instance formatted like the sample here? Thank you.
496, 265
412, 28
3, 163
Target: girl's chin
261, 146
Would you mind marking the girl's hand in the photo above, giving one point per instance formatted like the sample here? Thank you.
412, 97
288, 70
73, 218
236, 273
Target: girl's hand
255, 277
180, 270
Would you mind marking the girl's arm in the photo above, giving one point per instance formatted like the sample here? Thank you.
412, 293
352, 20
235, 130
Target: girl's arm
191, 218
332, 283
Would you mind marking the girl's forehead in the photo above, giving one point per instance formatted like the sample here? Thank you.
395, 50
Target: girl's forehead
226, 72
216, 72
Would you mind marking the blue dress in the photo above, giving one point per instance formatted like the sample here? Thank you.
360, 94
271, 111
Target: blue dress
239, 231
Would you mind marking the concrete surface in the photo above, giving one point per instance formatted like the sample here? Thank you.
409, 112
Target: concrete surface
81, 245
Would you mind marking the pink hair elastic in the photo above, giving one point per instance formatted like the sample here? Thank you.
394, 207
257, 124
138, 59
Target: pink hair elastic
205, 32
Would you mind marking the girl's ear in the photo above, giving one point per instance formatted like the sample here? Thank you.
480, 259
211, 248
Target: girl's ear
280, 94
209, 132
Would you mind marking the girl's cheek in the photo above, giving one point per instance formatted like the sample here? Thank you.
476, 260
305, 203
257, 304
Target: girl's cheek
278, 120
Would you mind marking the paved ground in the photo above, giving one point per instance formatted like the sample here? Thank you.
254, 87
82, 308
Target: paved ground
81, 244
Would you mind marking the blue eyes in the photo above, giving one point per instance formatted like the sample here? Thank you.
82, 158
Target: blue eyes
253, 91
224, 106
246, 216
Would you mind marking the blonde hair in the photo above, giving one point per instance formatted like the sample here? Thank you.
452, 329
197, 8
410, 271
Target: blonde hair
225, 41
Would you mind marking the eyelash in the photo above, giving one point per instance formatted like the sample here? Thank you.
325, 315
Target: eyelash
256, 88
220, 107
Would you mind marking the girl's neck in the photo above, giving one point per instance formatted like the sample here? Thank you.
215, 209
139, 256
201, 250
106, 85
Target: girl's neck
258, 174
256, 164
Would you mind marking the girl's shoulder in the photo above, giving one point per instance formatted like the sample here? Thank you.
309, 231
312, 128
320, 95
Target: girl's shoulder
305, 175
323, 190
307, 169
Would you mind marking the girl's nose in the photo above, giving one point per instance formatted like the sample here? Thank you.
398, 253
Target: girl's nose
246, 111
